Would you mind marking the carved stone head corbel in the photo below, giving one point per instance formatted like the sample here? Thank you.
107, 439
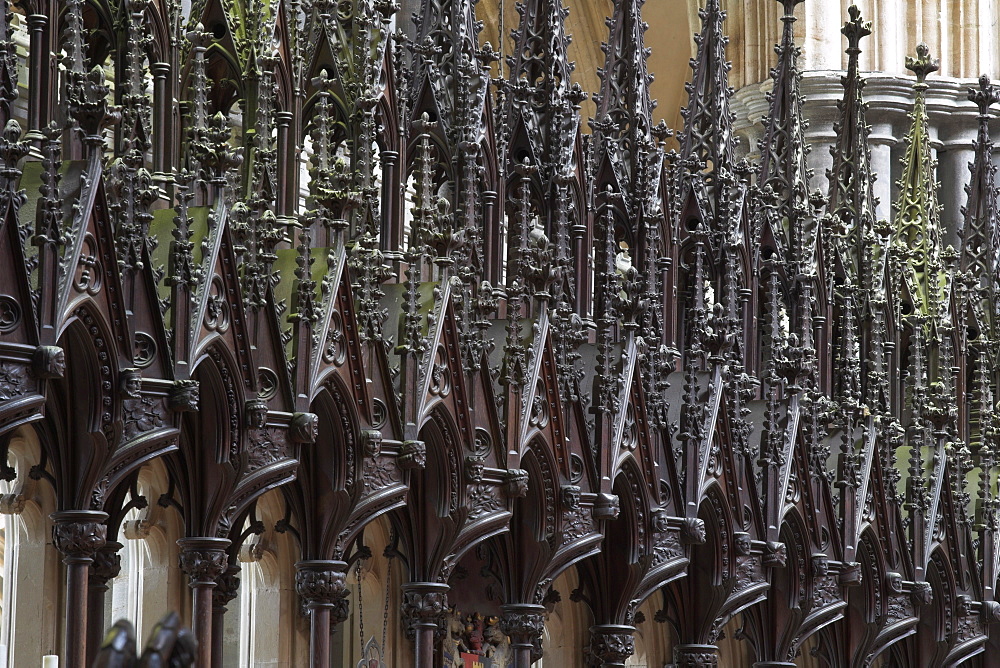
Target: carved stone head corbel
371, 442
571, 496
184, 396
693, 531
607, 507
131, 383
475, 468
516, 483
48, 362
256, 413
413, 455
304, 428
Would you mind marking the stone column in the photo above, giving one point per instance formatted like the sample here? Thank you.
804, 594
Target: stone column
204, 560
612, 644
162, 121
322, 585
227, 586
78, 535
392, 216
696, 656
424, 606
107, 565
38, 108
524, 624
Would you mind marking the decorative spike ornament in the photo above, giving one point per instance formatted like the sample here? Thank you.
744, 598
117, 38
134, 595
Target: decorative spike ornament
784, 149
852, 199
708, 137
917, 230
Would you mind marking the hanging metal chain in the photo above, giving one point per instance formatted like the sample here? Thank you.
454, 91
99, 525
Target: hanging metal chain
361, 610
388, 584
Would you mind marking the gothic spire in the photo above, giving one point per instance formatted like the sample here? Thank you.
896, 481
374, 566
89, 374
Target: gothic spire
623, 125
917, 229
540, 84
979, 227
851, 198
783, 148
708, 128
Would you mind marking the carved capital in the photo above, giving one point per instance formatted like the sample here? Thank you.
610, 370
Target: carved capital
524, 624
607, 507
515, 483
204, 559
107, 564
323, 584
78, 535
12, 504
612, 644
413, 455
304, 428
424, 606
696, 656
227, 586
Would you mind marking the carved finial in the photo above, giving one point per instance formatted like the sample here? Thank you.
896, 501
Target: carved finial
985, 96
923, 64
855, 29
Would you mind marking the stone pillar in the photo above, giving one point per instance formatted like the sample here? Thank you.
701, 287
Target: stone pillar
203, 560
424, 606
494, 247
78, 535
612, 644
38, 56
162, 121
696, 656
106, 566
287, 165
524, 624
392, 216
227, 586
322, 585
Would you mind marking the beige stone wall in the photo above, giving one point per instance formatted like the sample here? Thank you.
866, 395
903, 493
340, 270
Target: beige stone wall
962, 33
